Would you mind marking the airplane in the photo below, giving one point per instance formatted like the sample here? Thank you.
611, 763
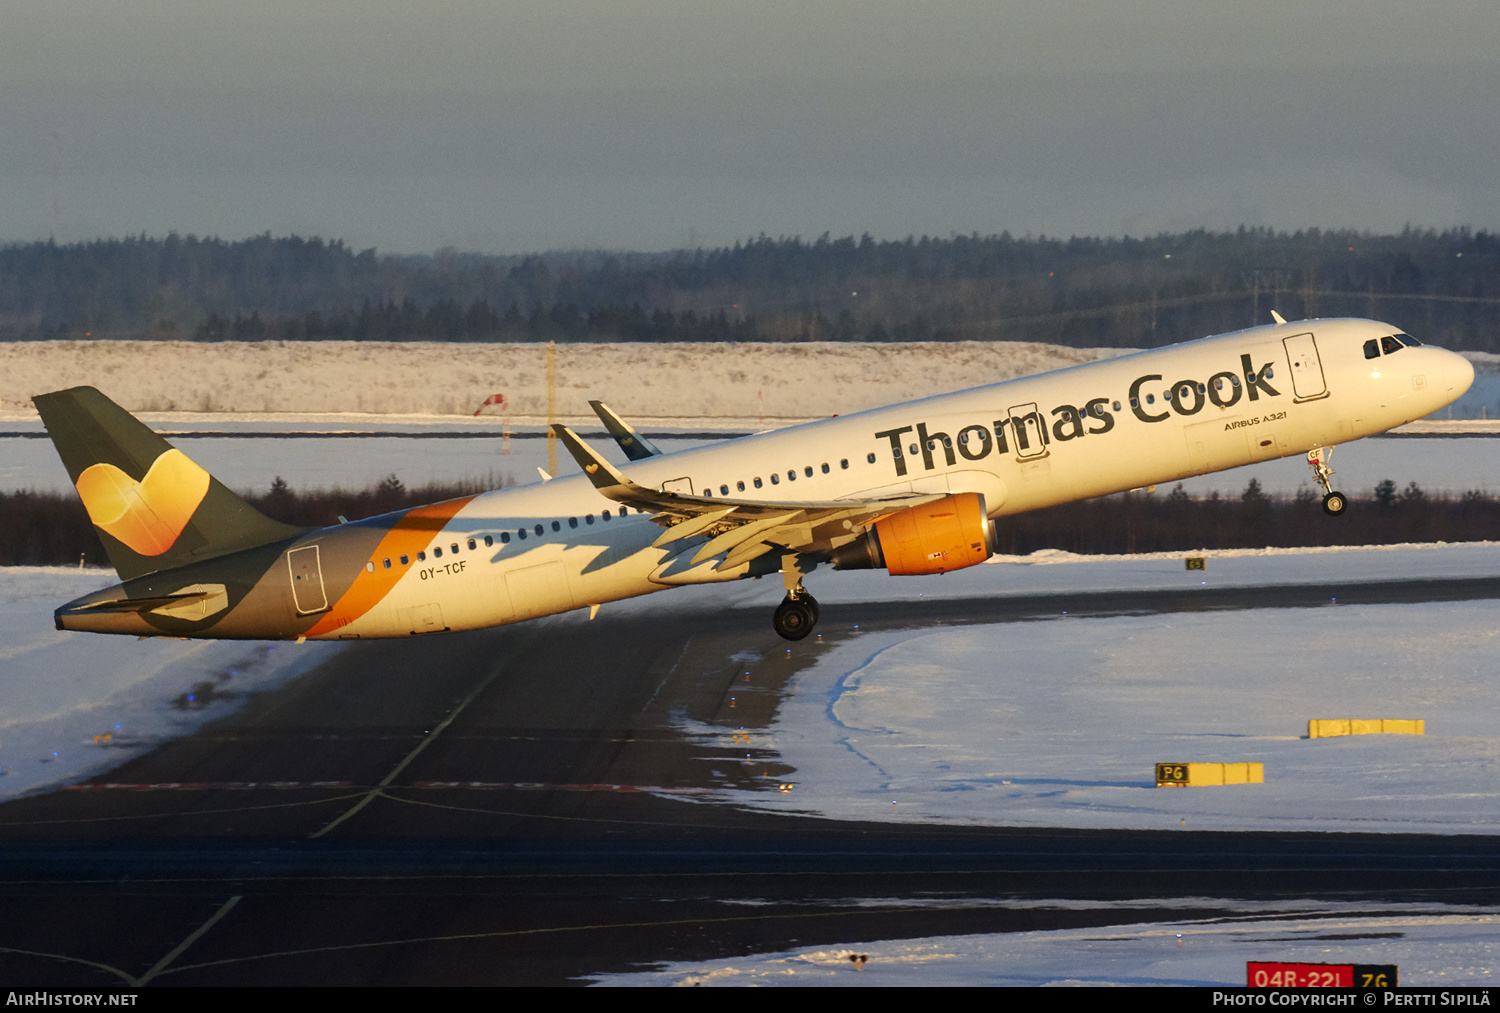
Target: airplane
913, 488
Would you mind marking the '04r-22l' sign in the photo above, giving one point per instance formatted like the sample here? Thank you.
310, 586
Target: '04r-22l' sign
1258, 975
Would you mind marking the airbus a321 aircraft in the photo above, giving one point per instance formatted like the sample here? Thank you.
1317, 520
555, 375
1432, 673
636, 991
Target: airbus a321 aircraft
915, 488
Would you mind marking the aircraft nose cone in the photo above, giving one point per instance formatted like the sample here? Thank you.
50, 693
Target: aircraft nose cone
1460, 375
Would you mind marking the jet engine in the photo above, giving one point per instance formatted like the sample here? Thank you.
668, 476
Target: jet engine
946, 534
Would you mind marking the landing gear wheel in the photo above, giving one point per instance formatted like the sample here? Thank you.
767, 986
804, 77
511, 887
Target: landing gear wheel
1334, 504
812, 603
795, 618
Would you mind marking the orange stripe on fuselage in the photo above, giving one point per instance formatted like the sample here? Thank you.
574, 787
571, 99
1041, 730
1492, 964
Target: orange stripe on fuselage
412, 533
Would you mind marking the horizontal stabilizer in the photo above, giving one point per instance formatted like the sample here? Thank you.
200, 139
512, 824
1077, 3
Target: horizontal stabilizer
144, 604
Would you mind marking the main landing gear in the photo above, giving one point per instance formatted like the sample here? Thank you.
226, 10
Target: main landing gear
795, 618
1333, 502
797, 614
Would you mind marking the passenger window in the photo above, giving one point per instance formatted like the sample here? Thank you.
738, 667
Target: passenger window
386, 563
505, 538
791, 476
775, 479
437, 552
588, 518
473, 544
723, 490
604, 514
1117, 406
1387, 344
844, 462
1151, 399
895, 452
572, 522
454, 548
914, 450
871, 457
370, 566
808, 470
538, 530
1270, 372
825, 466
521, 534
757, 482
405, 561
557, 525
1372, 349
740, 486
422, 556
488, 541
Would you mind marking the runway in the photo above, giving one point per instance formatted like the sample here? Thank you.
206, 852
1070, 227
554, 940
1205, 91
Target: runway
519, 806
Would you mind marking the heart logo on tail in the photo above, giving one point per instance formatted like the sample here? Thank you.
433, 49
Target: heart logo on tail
590, 468
147, 515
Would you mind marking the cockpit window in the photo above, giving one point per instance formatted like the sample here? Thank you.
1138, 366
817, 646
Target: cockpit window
1389, 345
1372, 349
1408, 340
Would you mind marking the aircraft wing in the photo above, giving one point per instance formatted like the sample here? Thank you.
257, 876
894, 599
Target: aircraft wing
743, 529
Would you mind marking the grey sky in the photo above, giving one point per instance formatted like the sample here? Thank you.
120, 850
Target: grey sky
643, 124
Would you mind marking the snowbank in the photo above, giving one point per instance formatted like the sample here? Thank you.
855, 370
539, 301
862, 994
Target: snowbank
1434, 946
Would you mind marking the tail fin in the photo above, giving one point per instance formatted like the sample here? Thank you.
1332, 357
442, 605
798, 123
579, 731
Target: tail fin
153, 508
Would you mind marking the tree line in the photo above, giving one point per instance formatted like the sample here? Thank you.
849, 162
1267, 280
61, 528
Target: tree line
1443, 286
53, 528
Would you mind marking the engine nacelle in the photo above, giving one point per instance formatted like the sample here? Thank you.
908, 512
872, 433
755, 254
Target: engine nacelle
946, 534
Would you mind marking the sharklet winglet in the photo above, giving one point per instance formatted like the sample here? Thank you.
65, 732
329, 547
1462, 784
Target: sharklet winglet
606, 479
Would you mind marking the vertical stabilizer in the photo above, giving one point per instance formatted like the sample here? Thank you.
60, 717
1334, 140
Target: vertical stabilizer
153, 508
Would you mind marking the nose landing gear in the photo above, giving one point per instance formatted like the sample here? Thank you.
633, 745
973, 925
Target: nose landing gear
1317, 459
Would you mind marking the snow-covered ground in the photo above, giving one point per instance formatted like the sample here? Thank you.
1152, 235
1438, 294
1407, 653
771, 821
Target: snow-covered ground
1054, 722
1433, 945
76, 704
666, 380
1040, 723
1060, 722
647, 381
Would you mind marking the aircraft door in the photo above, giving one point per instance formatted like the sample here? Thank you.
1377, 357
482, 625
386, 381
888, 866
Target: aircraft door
1308, 382
1030, 431
307, 580
539, 590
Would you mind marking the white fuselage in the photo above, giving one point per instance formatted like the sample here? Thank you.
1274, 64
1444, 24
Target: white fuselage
1105, 427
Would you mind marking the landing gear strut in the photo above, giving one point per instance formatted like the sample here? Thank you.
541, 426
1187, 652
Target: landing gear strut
797, 614
1333, 502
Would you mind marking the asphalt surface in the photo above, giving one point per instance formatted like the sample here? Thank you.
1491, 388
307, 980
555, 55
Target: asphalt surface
517, 806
